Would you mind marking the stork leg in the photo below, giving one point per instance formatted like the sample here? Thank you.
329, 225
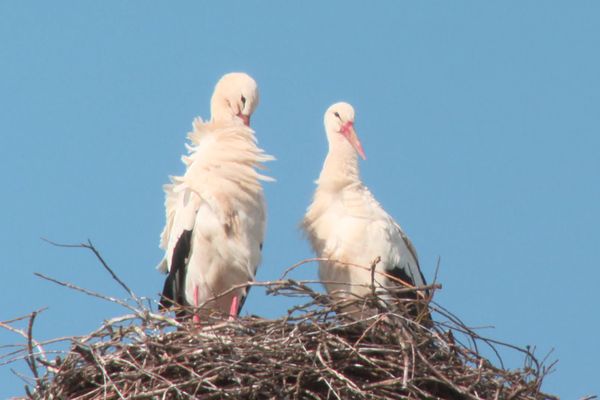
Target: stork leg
196, 317
233, 310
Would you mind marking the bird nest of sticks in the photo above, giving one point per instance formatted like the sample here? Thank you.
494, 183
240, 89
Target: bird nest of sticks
315, 351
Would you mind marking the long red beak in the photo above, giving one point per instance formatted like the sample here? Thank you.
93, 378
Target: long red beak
350, 134
245, 119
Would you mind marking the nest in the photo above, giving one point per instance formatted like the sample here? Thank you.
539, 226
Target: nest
319, 350
314, 352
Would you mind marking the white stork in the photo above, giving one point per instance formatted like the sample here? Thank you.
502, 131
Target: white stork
215, 212
347, 226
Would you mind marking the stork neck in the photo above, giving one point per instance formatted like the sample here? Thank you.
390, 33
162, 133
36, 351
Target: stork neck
220, 110
340, 169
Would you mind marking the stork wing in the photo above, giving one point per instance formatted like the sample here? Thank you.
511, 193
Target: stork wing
408, 270
174, 289
181, 206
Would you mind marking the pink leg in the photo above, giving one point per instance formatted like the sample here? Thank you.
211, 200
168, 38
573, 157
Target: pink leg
196, 318
233, 311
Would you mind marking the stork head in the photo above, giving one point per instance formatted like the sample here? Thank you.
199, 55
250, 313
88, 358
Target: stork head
339, 125
235, 96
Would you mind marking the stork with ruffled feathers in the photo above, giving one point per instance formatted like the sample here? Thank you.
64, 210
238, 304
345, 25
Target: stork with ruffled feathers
215, 212
348, 228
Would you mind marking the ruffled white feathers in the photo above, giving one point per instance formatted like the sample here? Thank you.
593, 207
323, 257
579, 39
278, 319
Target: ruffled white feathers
222, 166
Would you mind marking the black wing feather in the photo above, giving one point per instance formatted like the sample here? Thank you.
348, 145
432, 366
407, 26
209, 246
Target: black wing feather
407, 274
400, 273
174, 290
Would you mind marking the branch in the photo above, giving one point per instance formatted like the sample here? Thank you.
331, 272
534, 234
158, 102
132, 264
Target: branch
92, 248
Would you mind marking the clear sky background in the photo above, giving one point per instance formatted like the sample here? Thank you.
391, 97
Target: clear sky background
480, 120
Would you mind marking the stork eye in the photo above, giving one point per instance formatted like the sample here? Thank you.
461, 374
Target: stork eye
243, 100
337, 115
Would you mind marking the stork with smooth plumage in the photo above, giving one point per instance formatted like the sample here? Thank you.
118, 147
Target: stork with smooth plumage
215, 212
348, 227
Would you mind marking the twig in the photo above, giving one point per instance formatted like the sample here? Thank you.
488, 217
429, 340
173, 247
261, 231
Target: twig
92, 248
373, 266
86, 291
31, 358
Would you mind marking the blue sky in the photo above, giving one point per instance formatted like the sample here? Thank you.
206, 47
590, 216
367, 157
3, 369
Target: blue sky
480, 122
